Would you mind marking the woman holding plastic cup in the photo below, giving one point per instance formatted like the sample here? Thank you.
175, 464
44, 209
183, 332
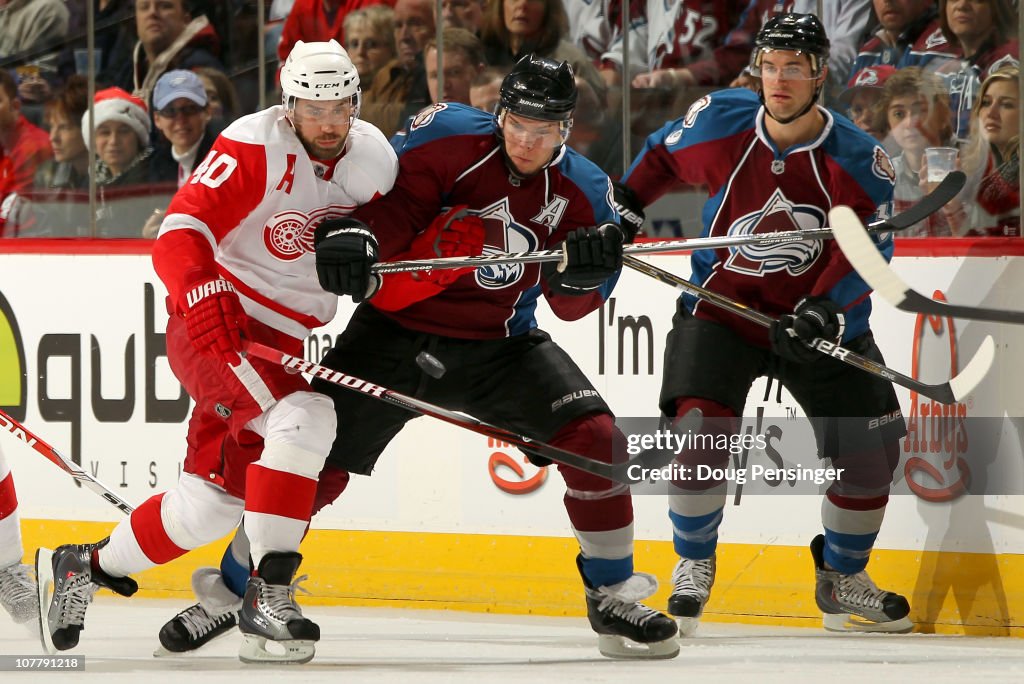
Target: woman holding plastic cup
991, 160
914, 114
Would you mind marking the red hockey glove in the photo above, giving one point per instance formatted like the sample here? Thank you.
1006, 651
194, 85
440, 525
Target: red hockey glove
214, 319
455, 233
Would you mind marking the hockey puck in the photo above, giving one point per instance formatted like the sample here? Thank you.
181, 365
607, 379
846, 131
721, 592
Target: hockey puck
430, 365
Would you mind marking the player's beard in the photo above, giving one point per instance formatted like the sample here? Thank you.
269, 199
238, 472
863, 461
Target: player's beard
321, 151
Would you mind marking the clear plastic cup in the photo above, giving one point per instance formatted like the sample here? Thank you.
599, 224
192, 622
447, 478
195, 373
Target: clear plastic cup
940, 160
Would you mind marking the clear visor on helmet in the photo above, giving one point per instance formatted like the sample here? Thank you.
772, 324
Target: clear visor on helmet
782, 68
531, 133
322, 113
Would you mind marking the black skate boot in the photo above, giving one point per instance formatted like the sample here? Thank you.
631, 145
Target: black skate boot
627, 628
270, 613
67, 580
691, 586
18, 594
852, 603
215, 615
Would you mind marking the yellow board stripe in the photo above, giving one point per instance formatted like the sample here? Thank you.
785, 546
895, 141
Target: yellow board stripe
950, 593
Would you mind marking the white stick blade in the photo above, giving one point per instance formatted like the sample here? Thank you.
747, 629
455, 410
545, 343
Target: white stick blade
975, 371
864, 256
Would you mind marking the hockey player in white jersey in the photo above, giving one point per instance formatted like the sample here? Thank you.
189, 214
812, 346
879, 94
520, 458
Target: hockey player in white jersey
235, 252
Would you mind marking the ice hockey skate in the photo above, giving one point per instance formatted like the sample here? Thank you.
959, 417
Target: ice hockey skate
215, 615
67, 580
18, 593
626, 628
852, 603
270, 613
691, 586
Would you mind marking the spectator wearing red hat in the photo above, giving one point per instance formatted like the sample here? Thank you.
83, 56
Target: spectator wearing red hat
122, 137
122, 161
861, 96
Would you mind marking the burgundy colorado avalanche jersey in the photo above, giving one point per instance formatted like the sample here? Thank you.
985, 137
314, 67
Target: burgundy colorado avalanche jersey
452, 156
721, 144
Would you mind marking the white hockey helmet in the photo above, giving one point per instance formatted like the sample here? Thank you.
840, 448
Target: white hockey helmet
319, 71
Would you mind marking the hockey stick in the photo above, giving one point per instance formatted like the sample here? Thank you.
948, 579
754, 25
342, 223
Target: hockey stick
616, 472
23, 434
928, 205
864, 257
946, 393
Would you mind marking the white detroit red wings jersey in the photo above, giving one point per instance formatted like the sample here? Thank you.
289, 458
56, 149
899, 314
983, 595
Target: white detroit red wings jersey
721, 143
256, 200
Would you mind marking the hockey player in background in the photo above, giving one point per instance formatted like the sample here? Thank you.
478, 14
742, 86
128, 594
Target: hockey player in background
235, 252
17, 587
509, 179
775, 161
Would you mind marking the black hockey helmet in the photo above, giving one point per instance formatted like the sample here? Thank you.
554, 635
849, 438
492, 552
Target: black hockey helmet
797, 32
539, 88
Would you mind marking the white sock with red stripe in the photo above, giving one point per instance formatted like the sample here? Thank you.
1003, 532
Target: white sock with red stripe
169, 525
279, 493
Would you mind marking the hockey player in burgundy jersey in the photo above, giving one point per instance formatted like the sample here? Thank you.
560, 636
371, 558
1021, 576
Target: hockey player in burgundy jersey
235, 252
509, 177
774, 161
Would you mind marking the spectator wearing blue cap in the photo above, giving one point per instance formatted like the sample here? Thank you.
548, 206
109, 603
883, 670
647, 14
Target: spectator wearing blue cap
182, 116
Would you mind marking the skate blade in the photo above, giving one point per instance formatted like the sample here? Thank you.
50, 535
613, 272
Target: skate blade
687, 626
847, 622
621, 648
254, 650
44, 591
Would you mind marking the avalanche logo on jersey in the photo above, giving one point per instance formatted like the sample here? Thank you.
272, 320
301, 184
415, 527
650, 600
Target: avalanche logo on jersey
426, 115
778, 215
516, 238
882, 166
289, 234
695, 109
934, 40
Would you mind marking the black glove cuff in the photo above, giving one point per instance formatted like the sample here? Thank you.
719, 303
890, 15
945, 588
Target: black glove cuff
347, 225
557, 281
630, 210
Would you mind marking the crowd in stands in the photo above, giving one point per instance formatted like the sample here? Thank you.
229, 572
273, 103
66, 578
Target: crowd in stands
168, 75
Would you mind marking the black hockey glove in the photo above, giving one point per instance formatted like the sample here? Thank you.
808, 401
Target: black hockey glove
813, 317
590, 256
631, 211
345, 251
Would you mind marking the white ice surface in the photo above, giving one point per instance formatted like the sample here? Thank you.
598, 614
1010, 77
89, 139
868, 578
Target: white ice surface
424, 647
